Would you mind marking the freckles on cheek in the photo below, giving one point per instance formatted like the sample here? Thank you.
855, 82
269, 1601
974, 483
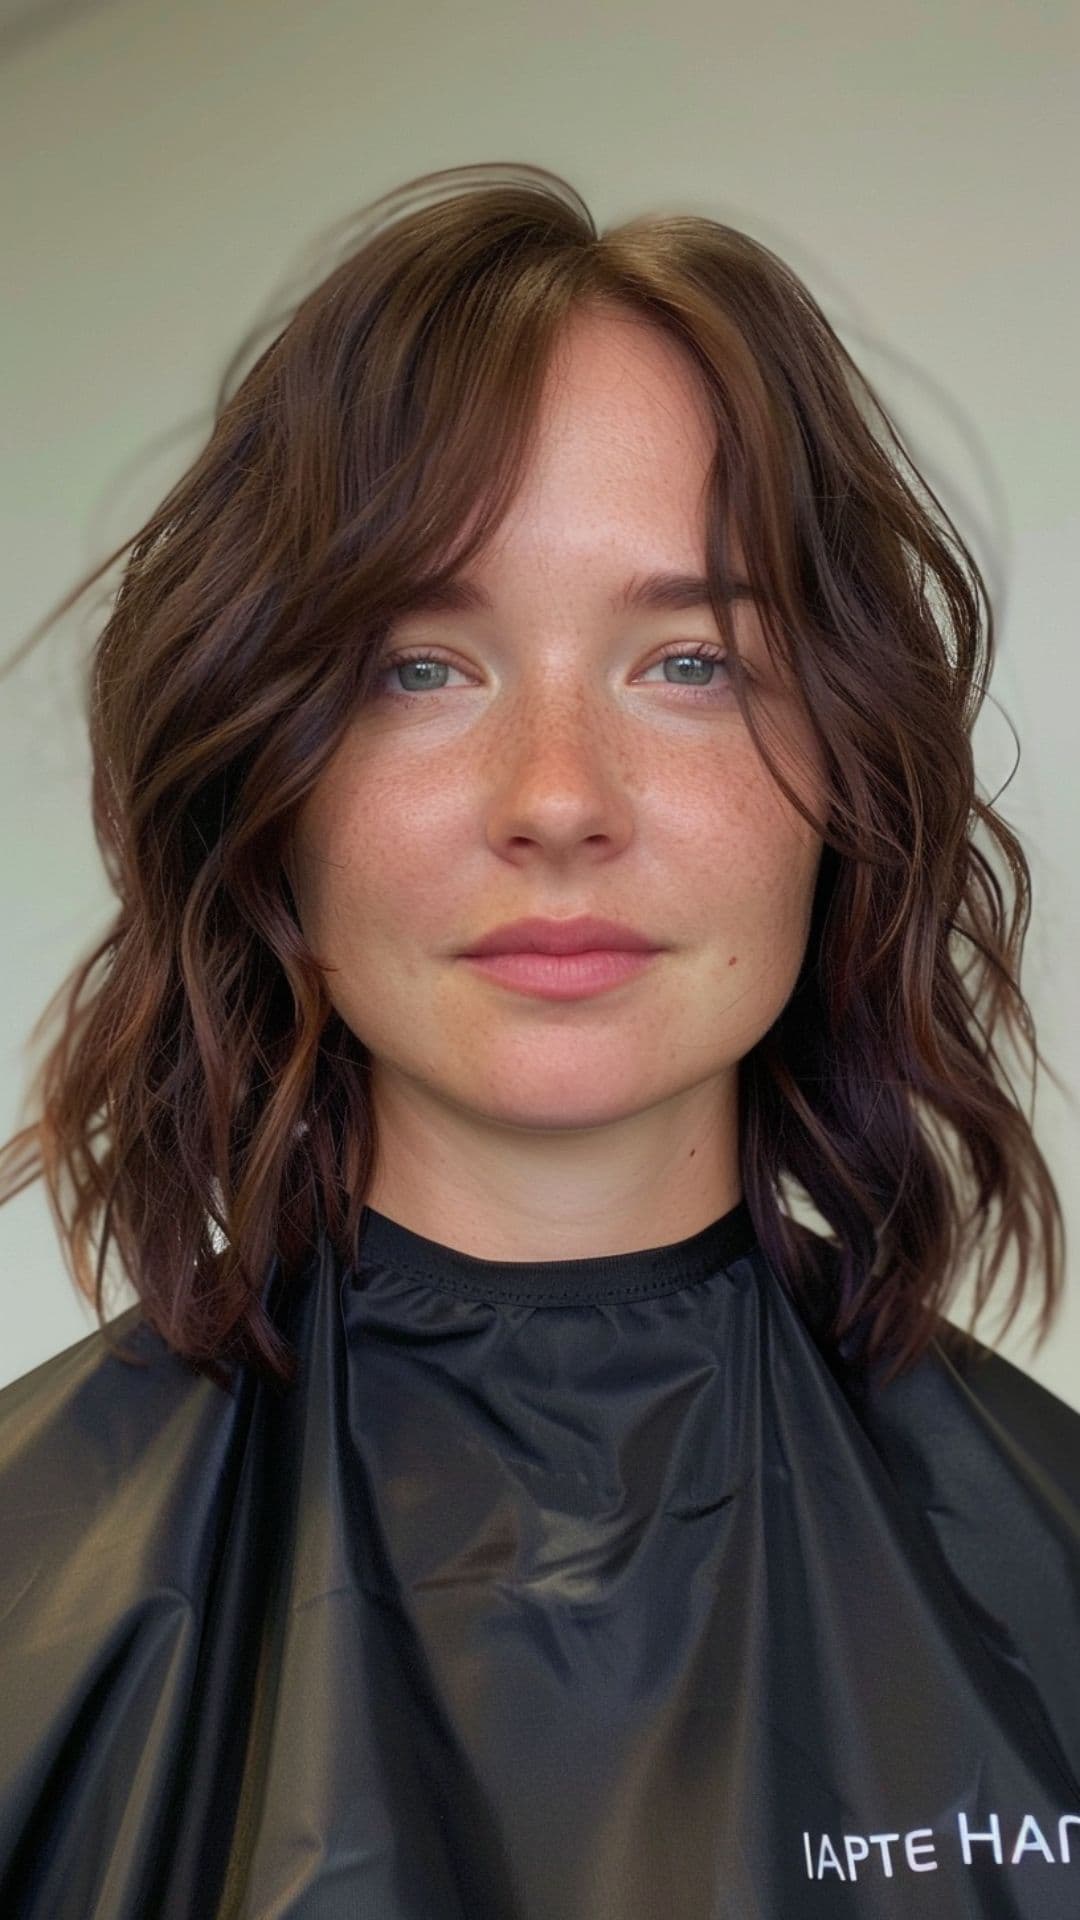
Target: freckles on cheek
389, 846
747, 864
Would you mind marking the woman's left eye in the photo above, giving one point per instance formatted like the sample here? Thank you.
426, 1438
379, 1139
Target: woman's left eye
704, 656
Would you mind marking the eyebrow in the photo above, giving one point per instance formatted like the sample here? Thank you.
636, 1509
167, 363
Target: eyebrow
672, 591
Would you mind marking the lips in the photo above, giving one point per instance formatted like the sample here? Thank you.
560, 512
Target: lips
586, 934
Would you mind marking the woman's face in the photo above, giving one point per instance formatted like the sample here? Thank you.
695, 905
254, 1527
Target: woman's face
555, 767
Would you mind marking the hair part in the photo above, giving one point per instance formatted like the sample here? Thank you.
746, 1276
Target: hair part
202, 1101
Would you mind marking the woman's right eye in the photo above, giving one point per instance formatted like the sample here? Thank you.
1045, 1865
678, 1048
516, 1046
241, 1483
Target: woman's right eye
420, 656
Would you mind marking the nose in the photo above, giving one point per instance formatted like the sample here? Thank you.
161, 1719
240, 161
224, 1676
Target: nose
561, 777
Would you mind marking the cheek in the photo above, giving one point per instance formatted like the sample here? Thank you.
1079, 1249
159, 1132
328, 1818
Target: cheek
738, 812
369, 851
756, 866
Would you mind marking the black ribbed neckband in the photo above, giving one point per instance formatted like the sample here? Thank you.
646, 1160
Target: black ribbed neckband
383, 1242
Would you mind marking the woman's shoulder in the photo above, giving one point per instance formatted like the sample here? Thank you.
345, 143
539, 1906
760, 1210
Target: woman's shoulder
90, 1409
959, 1386
985, 1463
97, 1456
1022, 1413
139, 1536
969, 1429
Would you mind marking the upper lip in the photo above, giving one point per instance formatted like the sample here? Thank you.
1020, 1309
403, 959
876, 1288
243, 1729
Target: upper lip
561, 936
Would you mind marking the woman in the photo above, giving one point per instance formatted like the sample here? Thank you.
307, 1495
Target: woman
503, 1506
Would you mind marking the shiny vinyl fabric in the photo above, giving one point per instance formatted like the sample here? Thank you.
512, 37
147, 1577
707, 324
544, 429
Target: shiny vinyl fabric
569, 1590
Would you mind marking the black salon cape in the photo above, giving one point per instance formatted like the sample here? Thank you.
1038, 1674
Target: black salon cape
571, 1590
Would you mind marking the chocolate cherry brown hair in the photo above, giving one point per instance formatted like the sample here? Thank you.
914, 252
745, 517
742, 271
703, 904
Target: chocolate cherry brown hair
202, 1107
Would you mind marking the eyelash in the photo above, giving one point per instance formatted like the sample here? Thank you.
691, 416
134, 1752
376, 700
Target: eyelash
704, 651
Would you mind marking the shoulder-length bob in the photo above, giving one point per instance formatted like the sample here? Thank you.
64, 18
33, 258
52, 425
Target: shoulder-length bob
203, 1102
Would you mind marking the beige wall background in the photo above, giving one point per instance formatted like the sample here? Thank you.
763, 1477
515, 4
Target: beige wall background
171, 167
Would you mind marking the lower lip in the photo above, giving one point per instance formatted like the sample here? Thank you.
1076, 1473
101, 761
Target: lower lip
562, 976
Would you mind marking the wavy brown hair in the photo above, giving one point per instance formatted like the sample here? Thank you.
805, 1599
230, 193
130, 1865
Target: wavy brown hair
203, 1104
